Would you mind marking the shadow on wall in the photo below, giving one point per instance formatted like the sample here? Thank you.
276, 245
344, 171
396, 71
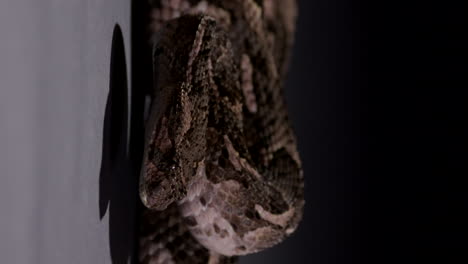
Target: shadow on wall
117, 182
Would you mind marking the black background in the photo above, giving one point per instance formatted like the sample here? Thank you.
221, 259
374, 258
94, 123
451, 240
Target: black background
376, 95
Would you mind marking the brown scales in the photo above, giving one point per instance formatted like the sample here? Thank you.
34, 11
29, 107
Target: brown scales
221, 174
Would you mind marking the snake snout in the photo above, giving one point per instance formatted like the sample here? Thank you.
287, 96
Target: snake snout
157, 196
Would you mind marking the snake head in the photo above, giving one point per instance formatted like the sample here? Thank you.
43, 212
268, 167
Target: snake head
169, 151
161, 173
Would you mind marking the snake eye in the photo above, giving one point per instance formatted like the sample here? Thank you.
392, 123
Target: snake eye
168, 165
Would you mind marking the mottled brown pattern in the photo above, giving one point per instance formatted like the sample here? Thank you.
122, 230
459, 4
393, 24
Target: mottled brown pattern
221, 175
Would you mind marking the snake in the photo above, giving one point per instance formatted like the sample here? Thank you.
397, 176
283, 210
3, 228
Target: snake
221, 175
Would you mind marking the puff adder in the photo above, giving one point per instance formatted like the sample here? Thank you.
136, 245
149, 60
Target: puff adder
221, 175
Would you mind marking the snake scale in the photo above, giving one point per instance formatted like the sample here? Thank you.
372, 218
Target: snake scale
221, 175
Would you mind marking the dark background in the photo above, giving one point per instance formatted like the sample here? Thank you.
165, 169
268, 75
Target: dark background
376, 94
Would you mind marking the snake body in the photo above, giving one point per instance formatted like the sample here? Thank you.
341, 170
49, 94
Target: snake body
221, 174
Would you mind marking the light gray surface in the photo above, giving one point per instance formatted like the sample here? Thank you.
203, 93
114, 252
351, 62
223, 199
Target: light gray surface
54, 81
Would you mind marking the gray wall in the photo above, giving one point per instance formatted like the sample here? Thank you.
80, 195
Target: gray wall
54, 82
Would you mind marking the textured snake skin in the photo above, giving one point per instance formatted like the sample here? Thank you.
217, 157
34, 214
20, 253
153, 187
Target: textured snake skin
221, 175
